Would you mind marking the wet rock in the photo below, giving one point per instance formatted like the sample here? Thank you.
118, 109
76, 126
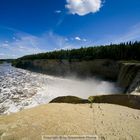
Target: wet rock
2, 109
16, 97
25, 103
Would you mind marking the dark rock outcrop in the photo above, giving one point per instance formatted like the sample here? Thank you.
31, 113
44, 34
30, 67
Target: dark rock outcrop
69, 99
131, 101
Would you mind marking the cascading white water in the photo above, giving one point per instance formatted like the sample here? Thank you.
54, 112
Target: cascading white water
20, 89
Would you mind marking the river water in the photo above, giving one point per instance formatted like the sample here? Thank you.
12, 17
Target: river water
21, 89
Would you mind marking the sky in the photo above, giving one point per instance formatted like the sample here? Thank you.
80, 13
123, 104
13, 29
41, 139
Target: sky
35, 26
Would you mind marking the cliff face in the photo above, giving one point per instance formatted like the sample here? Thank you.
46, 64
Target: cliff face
135, 85
129, 77
104, 68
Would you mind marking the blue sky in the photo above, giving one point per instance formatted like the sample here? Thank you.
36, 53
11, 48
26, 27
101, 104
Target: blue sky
33, 26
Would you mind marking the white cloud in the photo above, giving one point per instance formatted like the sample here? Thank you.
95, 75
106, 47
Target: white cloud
84, 40
78, 38
83, 7
5, 45
24, 44
58, 11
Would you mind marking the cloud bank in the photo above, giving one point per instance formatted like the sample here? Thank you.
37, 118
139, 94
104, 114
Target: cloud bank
23, 44
83, 7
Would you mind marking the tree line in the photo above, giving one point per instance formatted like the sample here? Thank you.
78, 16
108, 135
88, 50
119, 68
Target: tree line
122, 51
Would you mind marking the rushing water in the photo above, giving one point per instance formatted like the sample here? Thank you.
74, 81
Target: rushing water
20, 89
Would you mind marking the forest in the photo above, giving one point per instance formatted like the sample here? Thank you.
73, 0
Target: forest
122, 51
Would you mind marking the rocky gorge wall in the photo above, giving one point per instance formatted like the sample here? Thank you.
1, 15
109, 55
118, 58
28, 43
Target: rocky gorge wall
102, 68
129, 77
127, 74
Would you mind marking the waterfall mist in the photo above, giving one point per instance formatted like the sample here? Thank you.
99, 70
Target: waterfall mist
20, 89
79, 87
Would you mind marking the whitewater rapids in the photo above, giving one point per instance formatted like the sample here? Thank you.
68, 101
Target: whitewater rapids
21, 89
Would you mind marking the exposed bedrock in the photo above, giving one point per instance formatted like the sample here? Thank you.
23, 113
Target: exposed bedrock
127, 74
101, 67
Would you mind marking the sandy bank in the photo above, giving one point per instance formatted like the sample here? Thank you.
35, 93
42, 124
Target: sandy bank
106, 120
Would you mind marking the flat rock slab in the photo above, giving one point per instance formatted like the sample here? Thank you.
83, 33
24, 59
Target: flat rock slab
105, 120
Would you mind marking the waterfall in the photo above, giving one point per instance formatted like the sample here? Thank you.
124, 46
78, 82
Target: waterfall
127, 74
135, 86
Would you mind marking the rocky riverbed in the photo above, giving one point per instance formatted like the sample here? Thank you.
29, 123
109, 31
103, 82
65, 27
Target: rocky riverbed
21, 89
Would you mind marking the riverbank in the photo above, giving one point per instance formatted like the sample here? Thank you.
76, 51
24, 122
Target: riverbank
125, 73
105, 120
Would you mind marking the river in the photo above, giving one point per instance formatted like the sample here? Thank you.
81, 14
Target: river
21, 89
